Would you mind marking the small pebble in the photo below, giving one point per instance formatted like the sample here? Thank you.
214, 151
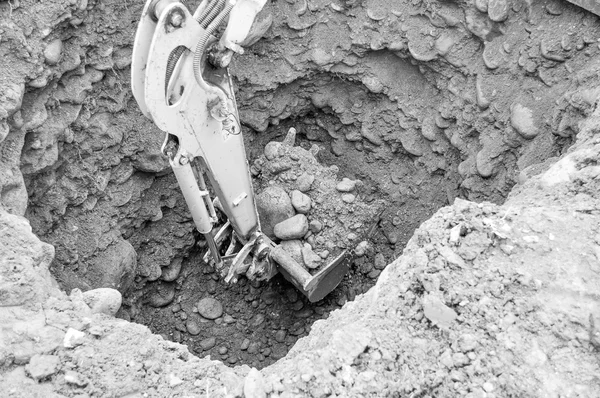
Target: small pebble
497, 10
73, 377
348, 198
346, 185
304, 182
280, 336
208, 343
52, 52
380, 262
245, 345
73, 338
315, 226
192, 327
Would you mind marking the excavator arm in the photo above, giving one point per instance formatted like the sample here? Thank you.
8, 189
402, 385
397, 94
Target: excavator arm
181, 90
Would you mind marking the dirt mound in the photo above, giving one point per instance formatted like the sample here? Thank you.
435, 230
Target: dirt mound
336, 218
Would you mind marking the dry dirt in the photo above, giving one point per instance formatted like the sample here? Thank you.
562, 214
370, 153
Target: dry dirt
476, 129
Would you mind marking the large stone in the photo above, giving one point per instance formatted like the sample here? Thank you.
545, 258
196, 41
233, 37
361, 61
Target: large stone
210, 308
300, 202
274, 206
42, 366
114, 268
292, 228
521, 118
103, 300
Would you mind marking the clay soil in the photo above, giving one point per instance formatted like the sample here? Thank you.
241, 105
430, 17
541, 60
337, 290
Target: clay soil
473, 125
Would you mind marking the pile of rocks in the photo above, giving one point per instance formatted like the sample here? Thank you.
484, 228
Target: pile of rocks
304, 206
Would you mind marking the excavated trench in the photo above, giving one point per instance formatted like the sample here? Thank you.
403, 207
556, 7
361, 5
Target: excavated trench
261, 321
422, 107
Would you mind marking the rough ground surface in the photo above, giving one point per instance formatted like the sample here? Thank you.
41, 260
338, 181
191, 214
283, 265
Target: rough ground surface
423, 102
486, 301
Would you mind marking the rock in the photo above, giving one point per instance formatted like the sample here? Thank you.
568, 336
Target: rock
254, 385
103, 301
280, 336
42, 366
380, 262
174, 380
311, 259
292, 228
53, 51
467, 342
75, 378
193, 327
161, 296
437, 312
294, 249
373, 84
245, 344
361, 248
477, 23
304, 182
521, 118
3, 130
73, 338
300, 202
210, 308
481, 5
315, 226
374, 274
429, 128
497, 10
444, 43
274, 206
171, 272
348, 198
346, 185
11, 99
208, 343
253, 348
115, 267
272, 150
488, 387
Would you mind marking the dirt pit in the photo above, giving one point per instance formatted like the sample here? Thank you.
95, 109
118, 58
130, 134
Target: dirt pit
423, 103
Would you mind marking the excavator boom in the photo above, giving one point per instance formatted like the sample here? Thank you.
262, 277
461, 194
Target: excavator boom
191, 99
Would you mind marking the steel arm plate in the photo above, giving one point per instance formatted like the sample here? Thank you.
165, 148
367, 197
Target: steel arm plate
189, 117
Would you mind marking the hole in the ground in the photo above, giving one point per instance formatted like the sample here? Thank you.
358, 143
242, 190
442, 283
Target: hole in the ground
257, 323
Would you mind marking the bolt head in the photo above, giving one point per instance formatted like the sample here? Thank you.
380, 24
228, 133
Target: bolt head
183, 160
176, 19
